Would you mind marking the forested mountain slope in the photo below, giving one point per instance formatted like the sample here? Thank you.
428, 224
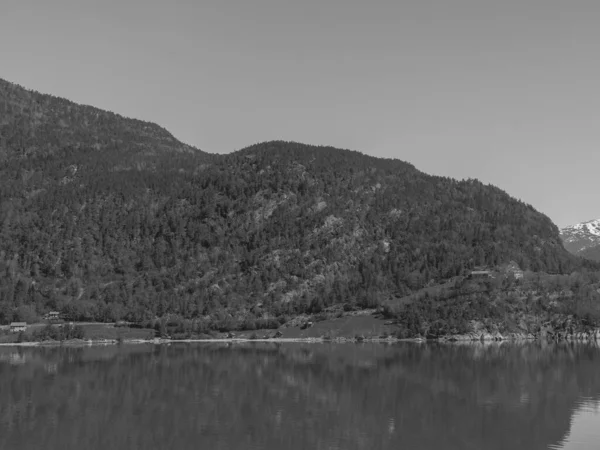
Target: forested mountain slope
32, 124
108, 218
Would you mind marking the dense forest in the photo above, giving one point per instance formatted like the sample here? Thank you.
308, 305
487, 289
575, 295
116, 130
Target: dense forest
107, 218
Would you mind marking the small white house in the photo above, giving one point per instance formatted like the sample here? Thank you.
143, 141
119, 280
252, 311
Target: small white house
480, 274
16, 327
52, 315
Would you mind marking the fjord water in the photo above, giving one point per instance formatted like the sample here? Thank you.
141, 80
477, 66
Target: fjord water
301, 396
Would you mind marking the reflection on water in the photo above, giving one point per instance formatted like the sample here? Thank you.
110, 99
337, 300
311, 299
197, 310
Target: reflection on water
585, 427
300, 396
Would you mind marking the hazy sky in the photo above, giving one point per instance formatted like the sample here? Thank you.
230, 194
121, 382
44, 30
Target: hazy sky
506, 91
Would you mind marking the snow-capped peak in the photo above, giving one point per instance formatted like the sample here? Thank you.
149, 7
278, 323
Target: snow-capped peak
591, 227
582, 236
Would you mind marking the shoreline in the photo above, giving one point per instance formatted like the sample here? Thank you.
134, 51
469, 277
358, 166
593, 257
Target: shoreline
452, 340
89, 343
473, 338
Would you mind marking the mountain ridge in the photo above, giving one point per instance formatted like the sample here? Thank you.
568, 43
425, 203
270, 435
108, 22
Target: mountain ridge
108, 220
55, 121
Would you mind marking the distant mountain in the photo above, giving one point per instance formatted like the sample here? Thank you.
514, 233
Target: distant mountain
583, 239
107, 218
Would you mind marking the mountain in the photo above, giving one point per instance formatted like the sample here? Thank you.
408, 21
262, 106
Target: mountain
35, 124
107, 218
583, 239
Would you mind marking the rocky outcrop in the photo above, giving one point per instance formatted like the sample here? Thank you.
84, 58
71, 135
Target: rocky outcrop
546, 333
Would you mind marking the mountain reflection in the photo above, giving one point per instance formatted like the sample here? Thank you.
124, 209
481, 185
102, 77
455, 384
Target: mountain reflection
295, 396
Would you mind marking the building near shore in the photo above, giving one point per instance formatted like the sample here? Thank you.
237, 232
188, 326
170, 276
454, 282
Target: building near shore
480, 274
52, 315
16, 327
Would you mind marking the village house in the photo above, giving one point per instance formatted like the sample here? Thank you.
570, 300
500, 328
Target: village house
480, 274
514, 269
52, 315
16, 327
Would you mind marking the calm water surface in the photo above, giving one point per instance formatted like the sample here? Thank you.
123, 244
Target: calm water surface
301, 396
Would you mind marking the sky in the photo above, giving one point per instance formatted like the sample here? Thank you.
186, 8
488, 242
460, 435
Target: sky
507, 92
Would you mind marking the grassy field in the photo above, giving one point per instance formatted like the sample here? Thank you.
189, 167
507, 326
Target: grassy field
367, 326
93, 331
108, 331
